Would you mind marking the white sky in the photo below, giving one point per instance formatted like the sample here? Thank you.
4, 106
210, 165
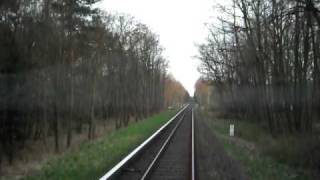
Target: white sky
179, 23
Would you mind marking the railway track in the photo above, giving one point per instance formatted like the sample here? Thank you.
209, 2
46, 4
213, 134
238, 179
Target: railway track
167, 154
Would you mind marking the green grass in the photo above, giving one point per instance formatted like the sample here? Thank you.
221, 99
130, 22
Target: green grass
93, 159
245, 130
259, 167
259, 160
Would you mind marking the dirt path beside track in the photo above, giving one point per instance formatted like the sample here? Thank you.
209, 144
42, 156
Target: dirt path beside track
212, 162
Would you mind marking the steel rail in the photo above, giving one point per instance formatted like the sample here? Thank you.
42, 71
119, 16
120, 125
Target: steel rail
164, 145
126, 159
192, 149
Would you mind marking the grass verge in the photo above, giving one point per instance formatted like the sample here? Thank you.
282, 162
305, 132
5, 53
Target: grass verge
257, 151
92, 159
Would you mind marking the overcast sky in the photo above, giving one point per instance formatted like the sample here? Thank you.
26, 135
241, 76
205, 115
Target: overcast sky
179, 23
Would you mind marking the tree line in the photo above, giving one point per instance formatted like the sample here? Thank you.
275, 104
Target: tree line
262, 58
66, 66
174, 93
204, 94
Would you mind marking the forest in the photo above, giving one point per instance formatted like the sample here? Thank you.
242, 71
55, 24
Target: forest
66, 67
262, 60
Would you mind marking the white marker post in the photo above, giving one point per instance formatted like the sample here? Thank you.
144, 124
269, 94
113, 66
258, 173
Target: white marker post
231, 130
